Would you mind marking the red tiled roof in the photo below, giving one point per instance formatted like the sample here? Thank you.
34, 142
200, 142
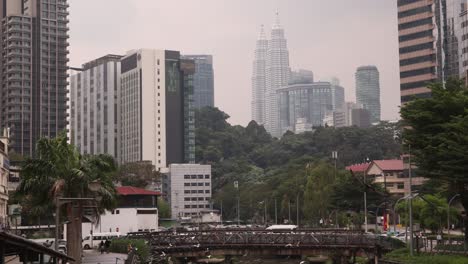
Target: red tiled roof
129, 190
389, 165
361, 167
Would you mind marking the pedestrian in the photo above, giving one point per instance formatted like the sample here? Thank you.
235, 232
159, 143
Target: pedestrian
439, 239
101, 247
107, 245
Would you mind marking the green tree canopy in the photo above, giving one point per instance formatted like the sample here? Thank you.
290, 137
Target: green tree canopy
436, 134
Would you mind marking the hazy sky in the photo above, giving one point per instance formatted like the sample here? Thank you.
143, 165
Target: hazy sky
329, 37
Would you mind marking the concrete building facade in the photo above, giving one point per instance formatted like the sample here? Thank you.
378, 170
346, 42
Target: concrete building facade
187, 187
4, 174
157, 119
136, 211
95, 107
33, 70
368, 90
203, 80
432, 44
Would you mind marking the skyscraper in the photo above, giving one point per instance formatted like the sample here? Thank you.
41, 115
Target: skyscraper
431, 36
95, 107
368, 90
157, 121
277, 75
33, 68
259, 79
203, 80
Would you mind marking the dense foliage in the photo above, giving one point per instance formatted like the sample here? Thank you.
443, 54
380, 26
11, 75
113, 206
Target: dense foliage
437, 136
271, 170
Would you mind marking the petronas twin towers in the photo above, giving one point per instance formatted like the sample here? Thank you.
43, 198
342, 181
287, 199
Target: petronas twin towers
270, 72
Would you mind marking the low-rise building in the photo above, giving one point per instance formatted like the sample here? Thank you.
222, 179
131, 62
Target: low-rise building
4, 173
137, 210
393, 174
187, 188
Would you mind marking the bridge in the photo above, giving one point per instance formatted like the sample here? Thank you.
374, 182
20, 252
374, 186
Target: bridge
339, 244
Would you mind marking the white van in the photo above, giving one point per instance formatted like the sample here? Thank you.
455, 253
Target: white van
93, 240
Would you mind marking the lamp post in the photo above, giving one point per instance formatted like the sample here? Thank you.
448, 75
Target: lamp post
410, 201
448, 215
394, 212
59, 201
93, 186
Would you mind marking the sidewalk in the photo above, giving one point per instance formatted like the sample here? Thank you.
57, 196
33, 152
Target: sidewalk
94, 257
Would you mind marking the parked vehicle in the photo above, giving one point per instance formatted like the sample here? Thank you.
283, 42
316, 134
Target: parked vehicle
92, 241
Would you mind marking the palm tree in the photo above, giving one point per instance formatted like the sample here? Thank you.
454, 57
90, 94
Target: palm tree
58, 170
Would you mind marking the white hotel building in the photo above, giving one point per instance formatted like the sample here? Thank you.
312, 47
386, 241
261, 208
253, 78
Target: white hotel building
94, 97
157, 121
136, 107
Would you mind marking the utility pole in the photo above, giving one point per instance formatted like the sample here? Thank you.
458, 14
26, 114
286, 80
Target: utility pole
410, 202
289, 212
265, 222
297, 209
236, 185
276, 214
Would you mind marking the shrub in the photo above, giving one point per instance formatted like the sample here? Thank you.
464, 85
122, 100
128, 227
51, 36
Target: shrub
121, 246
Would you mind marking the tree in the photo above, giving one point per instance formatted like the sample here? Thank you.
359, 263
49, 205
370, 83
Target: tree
164, 210
436, 133
58, 170
318, 191
138, 174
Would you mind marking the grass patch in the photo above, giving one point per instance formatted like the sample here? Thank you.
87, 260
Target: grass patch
403, 256
121, 246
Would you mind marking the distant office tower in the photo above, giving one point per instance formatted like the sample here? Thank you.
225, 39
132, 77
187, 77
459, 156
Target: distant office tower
95, 102
301, 76
259, 79
348, 110
33, 68
431, 41
368, 90
157, 122
361, 117
306, 103
277, 75
203, 80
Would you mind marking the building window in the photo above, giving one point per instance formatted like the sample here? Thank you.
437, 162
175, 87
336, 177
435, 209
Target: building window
207, 184
200, 184
194, 184
193, 176
207, 206
187, 206
185, 176
207, 191
186, 199
186, 184
200, 191
207, 176
200, 176
187, 191
401, 185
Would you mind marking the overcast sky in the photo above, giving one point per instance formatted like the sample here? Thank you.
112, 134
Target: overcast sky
329, 37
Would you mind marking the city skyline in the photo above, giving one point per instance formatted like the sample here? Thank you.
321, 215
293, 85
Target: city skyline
372, 39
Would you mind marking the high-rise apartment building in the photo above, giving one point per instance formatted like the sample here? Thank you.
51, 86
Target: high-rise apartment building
203, 80
431, 44
95, 107
33, 68
157, 120
368, 90
277, 76
259, 79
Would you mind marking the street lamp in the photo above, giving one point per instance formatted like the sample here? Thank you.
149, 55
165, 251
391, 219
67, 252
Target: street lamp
93, 186
394, 211
448, 215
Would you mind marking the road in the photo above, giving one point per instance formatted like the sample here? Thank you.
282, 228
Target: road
94, 257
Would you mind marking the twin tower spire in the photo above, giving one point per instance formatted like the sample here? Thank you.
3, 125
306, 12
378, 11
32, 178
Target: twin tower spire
270, 72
